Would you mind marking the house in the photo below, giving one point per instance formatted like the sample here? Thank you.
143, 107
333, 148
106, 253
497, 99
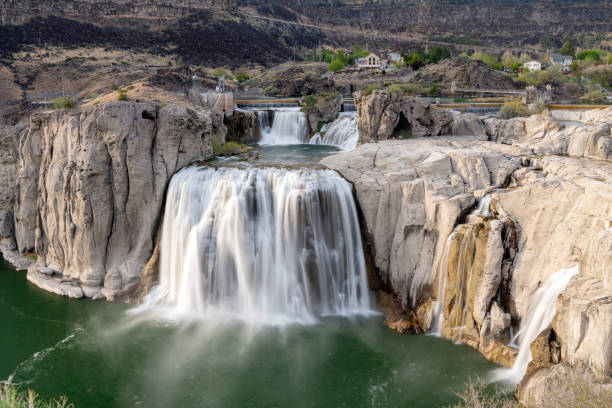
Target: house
563, 60
533, 66
394, 57
371, 61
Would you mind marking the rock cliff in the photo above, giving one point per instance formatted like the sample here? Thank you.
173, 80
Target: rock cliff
548, 211
90, 186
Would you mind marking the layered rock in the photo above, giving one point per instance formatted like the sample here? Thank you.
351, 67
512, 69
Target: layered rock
325, 109
91, 185
547, 212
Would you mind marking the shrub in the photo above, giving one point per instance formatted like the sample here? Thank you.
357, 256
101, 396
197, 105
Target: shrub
122, 95
595, 96
242, 76
309, 104
491, 60
114, 87
595, 55
512, 108
434, 90
63, 102
478, 395
10, 397
395, 89
336, 65
229, 148
371, 88
219, 72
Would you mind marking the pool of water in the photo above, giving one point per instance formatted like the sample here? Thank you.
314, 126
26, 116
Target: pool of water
101, 355
284, 155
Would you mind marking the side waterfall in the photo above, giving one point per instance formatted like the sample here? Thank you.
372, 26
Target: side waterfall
342, 133
289, 126
465, 235
265, 245
540, 313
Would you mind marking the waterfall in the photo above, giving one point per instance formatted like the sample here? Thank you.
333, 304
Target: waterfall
268, 246
289, 126
342, 133
465, 235
264, 122
540, 313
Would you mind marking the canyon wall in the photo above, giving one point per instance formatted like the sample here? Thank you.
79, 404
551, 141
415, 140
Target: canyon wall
547, 187
90, 186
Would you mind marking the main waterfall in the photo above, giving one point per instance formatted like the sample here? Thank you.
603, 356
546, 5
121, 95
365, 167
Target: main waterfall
265, 245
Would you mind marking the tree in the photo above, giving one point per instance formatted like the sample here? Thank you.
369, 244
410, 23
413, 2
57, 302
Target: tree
437, 54
568, 49
335, 65
416, 60
242, 76
508, 60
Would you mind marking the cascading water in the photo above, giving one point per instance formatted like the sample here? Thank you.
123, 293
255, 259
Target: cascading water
342, 133
465, 250
289, 126
266, 245
539, 316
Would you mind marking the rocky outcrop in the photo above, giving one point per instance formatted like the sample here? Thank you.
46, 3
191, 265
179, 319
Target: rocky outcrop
91, 185
546, 134
243, 127
384, 115
325, 109
547, 212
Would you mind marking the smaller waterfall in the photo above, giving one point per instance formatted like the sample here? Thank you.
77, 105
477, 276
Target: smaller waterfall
466, 234
289, 126
264, 122
539, 316
442, 274
342, 133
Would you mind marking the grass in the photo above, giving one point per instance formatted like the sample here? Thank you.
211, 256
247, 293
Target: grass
12, 397
227, 149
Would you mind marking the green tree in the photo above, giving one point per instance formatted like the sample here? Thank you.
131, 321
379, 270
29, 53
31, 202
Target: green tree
219, 72
335, 65
568, 49
416, 60
508, 60
437, 54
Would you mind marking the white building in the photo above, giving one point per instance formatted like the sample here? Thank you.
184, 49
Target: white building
563, 60
533, 66
371, 61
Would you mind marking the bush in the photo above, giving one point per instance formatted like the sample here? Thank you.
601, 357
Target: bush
309, 104
219, 72
595, 55
63, 102
242, 76
336, 65
491, 60
395, 89
478, 395
594, 97
434, 90
512, 108
10, 397
371, 88
122, 95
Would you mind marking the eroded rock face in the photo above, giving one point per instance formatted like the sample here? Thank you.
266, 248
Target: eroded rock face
548, 134
384, 115
91, 187
243, 127
553, 212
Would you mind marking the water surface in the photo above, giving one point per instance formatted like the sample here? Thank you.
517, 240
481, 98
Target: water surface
99, 356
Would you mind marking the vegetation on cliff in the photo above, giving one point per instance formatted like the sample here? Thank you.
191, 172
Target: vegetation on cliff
12, 397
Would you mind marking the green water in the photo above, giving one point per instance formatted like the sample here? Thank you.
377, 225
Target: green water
99, 356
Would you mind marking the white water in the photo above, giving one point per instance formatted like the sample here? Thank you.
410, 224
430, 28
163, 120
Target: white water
540, 313
442, 274
289, 126
268, 246
342, 133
